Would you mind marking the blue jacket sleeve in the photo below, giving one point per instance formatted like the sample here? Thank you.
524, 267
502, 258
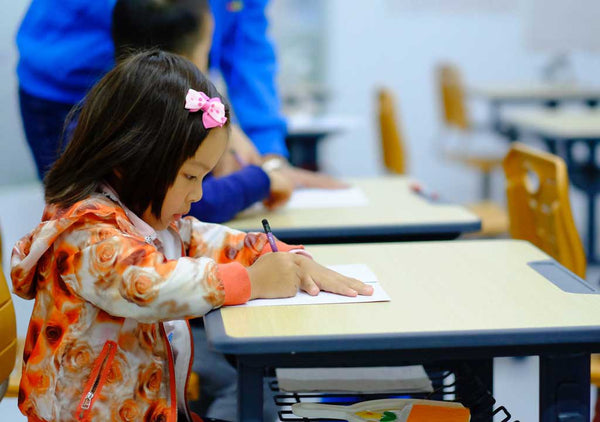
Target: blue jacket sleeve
224, 197
245, 56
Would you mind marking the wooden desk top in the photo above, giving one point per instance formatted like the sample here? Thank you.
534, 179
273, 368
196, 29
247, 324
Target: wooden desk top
459, 293
564, 124
393, 209
521, 92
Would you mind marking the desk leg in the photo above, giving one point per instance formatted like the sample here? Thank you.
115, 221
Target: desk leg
496, 120
583, 175
565, 388
551, 144
250, 393
591, 194
591, 223
474, 379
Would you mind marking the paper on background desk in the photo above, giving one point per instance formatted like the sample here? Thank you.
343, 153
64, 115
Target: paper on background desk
314, 198
327, 198
359, 271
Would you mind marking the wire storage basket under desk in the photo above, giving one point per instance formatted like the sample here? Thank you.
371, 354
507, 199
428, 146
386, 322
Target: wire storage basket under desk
474, 396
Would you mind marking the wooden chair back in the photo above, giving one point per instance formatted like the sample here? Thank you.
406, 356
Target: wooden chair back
8, 331
392, 141
452, 97
537, 191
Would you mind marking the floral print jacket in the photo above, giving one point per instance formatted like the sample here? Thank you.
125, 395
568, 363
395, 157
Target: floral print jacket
96, 347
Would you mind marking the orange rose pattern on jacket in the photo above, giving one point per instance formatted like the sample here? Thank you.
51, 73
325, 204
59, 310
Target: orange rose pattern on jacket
95, 282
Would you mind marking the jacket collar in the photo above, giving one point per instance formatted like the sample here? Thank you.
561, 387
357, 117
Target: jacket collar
144, 228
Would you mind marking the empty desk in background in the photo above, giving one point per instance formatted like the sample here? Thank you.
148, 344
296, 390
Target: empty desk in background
541, 93
393, 212
461, 301
545, 94
306, 131
564, 131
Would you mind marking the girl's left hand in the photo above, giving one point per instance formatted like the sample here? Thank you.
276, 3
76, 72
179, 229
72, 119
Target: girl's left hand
314, 277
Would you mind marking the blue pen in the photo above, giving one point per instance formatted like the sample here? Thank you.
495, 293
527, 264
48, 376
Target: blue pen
269, 234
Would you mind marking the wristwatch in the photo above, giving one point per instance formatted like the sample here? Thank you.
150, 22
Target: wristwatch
272, 164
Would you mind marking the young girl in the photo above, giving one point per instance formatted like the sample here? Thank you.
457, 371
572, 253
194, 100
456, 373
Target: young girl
114, 269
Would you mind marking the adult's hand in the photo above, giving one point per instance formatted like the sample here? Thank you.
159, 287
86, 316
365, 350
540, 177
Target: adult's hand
309, 179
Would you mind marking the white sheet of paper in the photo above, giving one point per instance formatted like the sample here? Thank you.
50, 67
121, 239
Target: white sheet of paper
359, 271
327, 198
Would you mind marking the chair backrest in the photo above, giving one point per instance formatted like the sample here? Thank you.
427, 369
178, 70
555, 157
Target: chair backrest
537, 191
392, 144
8, 328
452, 97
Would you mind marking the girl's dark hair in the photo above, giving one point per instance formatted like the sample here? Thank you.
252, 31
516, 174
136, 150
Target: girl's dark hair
133, 132
171, 25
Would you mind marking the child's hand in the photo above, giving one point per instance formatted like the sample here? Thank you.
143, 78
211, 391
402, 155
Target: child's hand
315, 277
282, 274
281, 190
274, 275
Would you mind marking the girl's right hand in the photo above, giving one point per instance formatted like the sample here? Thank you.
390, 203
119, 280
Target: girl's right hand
274, 275
282, 274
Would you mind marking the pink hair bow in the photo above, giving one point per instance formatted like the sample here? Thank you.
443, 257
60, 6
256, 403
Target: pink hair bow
213, 108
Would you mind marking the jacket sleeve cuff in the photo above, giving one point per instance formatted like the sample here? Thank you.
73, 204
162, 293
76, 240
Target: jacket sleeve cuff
236, 283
